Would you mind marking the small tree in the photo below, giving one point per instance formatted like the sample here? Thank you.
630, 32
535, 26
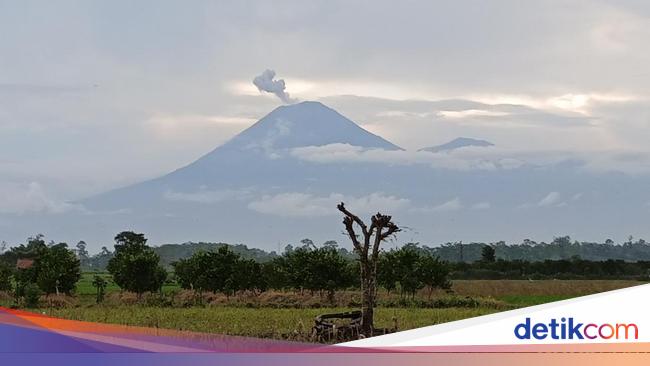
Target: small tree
219, 271
5, 277
99, 283
388, 271
135, 266
367, 247
31, 295
408, 269
488, 254
57, 270
433, 273
82, 253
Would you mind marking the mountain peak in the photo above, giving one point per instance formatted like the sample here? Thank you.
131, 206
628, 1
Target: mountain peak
458, 143
306, 123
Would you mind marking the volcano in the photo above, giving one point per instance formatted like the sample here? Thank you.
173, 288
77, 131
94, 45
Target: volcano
267, 187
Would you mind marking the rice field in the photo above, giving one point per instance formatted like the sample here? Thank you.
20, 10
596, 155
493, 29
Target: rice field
290, 315
265, 323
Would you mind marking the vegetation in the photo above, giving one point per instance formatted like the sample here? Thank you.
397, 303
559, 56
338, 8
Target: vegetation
561, 248
6, 277
219, 271
312, 269
290, 324
100, 284
48, 268
135, 267
290, 315
233, 290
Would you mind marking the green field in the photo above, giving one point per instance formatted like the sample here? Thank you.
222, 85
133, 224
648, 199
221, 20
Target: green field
267, 322
290, 315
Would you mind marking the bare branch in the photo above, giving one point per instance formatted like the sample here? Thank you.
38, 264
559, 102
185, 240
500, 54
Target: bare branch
349, 228
355, 218
392, 229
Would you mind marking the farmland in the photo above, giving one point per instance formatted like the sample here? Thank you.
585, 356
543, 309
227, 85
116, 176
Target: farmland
290, 315
221, 291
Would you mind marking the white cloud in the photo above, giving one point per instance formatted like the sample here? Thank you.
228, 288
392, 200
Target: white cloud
295, 204
204, 195
195, 127
451, 205
20, 199
481, 206
471, 113
549, 200
468, 158
577, 196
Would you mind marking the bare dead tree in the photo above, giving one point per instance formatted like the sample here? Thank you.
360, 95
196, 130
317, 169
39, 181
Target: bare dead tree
367, 246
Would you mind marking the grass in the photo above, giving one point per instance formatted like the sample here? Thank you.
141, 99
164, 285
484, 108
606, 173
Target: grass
266, 322
290, 315
85, 284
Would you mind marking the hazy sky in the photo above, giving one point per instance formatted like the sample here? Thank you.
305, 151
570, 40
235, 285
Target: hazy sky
95, 95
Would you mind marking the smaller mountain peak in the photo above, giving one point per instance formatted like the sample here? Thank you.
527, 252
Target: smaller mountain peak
458, 143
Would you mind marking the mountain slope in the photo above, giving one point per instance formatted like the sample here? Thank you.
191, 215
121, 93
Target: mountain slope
304, 124
255, 158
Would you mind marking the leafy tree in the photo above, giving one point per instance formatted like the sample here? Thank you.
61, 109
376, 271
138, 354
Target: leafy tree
31, 295
388, 271
274, 273
135, 267
488, 254
6, 275
82, 253
99, 283
219, 271
247, 276
57, 270
433, 273
52, 268
326, 270
408, 270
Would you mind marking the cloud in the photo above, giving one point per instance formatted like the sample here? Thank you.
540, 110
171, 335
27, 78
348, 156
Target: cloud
471, 113
195, 128
451, 205
296, 204
551, 199
264, 82
203, 195
481, 206
21, 199
577, 196
467, 158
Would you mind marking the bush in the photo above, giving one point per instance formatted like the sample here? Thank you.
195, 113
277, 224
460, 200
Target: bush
5, 277
31, 295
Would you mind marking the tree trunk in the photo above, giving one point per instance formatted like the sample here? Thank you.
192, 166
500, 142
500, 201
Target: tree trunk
369, 292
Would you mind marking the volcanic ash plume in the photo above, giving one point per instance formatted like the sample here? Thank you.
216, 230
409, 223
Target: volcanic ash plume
265, 82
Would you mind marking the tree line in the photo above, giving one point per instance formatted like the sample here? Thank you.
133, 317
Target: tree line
134, 266
560, 248
37, 267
